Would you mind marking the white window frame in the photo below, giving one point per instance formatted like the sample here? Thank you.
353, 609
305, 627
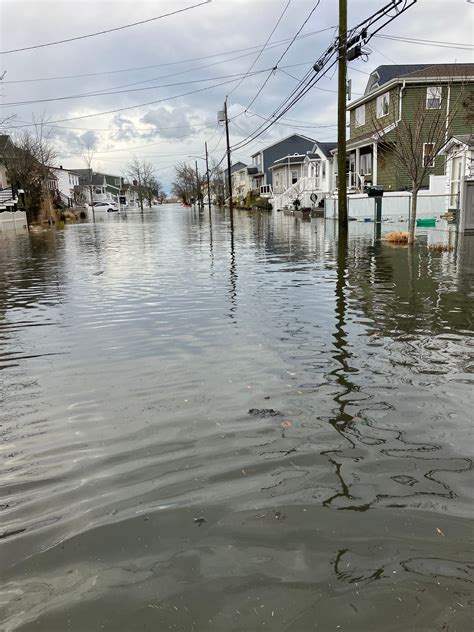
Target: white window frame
359, 119
434, 96
383, 99
433, 162
294, 171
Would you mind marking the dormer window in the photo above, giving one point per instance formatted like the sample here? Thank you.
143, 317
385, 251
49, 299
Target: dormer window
433, 97
383, 105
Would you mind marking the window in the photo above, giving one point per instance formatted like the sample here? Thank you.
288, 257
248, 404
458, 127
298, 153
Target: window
428, 158
433, 97
294, 177
383, 103
365, 165
323, 169
360, 116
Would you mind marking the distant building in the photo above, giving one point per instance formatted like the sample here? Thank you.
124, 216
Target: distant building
306, 177
66, 183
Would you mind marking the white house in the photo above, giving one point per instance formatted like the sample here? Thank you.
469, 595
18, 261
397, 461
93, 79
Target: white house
66, 181
307, 177
459, 152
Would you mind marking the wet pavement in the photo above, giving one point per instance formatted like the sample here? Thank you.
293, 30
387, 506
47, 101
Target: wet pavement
146, 486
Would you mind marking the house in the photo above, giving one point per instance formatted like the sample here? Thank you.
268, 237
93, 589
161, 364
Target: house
66, 183
394, 93
98, 187
459, 169
263, 159
234, 170
307, 177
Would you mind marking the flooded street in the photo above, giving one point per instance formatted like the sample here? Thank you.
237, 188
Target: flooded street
139, 493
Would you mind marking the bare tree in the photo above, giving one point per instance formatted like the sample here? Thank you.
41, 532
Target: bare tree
416, 141
28, 159
184, 185
216, 178
5, 120
88, 155
140, 174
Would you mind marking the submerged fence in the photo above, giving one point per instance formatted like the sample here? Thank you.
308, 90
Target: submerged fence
395, 206
13, 221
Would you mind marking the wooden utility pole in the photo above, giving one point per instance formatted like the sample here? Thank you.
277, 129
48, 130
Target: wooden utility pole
341, 119
208, 180
229, 175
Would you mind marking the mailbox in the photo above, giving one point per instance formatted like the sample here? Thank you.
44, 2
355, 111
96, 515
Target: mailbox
375, 191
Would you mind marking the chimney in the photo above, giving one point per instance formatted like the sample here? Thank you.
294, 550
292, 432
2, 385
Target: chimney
60, 166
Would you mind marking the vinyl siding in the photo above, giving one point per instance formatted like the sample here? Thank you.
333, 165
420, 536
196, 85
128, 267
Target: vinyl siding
372, 123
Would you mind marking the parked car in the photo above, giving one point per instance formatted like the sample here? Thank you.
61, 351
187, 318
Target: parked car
110, 207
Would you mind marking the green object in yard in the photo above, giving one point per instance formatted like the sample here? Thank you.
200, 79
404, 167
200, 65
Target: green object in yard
426, 222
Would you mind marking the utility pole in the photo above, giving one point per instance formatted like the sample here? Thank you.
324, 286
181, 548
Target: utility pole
341, 119
208, 181
229, 175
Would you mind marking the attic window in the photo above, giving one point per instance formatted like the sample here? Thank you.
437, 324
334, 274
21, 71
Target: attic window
433, 97
383, 104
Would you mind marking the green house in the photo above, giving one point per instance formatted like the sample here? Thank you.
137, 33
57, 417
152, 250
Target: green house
396, 96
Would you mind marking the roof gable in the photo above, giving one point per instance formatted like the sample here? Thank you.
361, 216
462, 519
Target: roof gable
282, 141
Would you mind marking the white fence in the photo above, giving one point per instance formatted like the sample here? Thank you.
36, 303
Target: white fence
13, 221
395, 206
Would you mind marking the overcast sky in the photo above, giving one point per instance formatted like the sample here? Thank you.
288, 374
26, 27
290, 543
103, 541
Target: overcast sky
177, 128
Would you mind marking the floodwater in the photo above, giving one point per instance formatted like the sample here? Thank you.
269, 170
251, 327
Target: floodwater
137, 492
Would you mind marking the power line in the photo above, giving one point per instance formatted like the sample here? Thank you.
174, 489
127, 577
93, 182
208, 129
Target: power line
425, 42
171, 63
168, 85
117, 28
284, 53
138, 105
264, 46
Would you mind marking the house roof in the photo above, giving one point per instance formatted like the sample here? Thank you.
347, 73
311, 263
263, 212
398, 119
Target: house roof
326, 148
252, 171
236, 167
458, 139
295, 159
282, 140
385, 73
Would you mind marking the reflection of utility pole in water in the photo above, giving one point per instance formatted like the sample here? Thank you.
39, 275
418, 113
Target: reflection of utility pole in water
233, 274
342, 419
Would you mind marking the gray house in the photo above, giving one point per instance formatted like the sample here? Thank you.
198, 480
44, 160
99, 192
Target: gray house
262, 160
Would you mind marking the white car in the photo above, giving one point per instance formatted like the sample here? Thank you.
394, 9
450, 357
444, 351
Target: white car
110, 207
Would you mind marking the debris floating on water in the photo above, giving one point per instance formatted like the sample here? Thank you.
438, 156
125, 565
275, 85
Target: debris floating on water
397, 237
199, 521
264, 412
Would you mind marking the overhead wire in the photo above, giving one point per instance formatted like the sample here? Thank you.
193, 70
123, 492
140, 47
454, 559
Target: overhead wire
168, 85
105, 31
264, 46
275, 44
283, 54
